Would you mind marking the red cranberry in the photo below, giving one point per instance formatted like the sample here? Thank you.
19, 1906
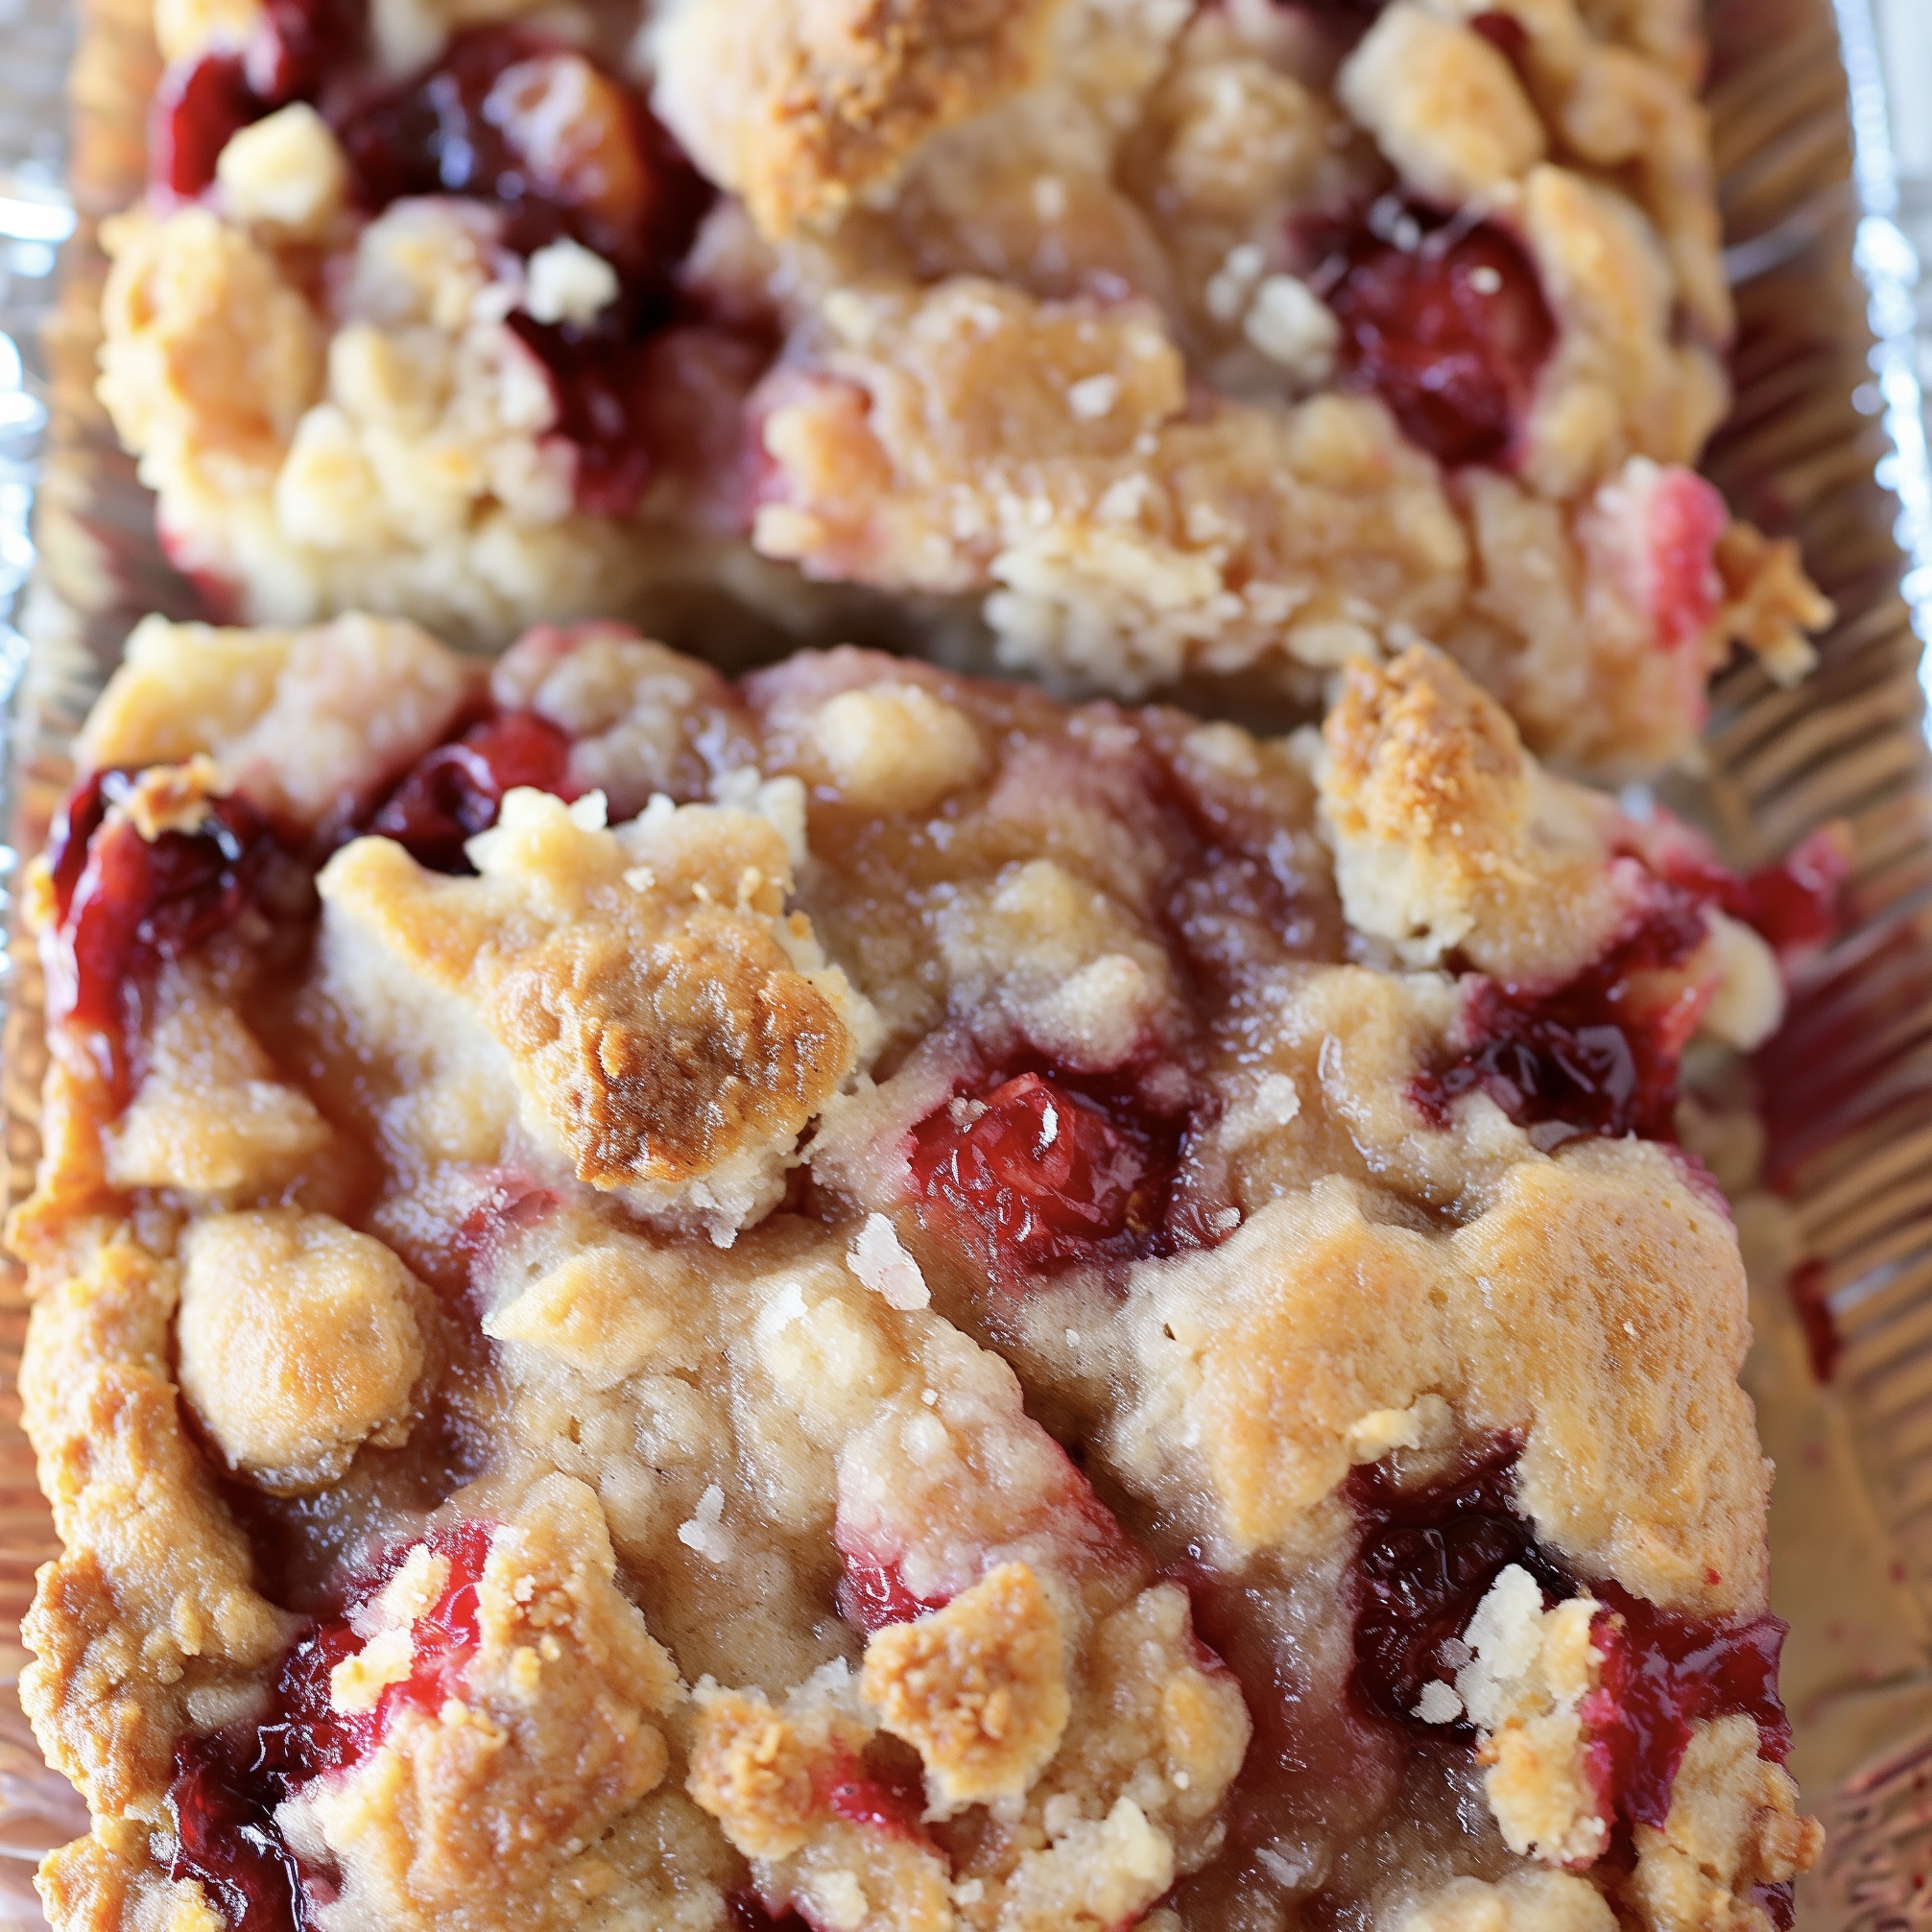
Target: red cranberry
1579, 1054
126, 903
1662, 1673
298, 44
1793, 905
1505, 33
456, 791
225, 1837
446, 1634
199, 105
541, 130
512, 1203
1779, 1903
890, 1801
1428, 1559
226, 1786
1449, 332
871, 1595
306, 1735
1037, 1176
600, 385
1429, 1555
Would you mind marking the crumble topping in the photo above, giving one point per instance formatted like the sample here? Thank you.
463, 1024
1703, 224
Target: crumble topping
803, 111
470, 1808
298, 1343
977, 1689
670, 1029
1549, 1901
783, 1353
1170, 347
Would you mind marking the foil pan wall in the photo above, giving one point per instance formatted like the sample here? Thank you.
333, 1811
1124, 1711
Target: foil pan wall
1824, 152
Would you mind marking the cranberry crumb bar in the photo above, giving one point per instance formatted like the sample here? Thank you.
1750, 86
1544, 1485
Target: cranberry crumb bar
863, 1302
1170, 344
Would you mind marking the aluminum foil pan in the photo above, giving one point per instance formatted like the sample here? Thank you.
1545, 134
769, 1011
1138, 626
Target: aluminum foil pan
1824, 154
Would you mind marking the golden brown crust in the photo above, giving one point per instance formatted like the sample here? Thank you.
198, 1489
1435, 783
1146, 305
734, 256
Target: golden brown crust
804, 109
497, 1343
152, 1617
647, 995
110, 1881
978, 1688
464, 1814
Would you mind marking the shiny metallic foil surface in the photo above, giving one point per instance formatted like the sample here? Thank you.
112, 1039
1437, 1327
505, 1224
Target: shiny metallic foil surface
1821, 114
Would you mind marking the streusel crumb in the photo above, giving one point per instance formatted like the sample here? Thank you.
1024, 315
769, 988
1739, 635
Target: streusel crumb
675, 1302
1141, 344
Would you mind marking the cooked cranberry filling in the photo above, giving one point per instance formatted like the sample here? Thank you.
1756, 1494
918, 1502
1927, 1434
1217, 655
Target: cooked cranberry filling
226, 1837
1428, 1557
1601, 1052
1684, 520
126, 904
1447, 325
749, 1915
1037, 1176
556, 144
559, 145
600, 379
1505, 33
1793, 905
1662, 1674
889, 1800
872, 1594
1594, 1053
456, 791
1807, 1288
227, 1785
196, 108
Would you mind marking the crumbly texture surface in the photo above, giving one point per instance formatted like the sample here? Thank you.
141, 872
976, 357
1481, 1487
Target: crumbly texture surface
854, 1272
1160, 346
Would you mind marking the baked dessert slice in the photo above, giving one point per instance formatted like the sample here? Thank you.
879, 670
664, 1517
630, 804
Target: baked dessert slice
864, 1301
1164, 345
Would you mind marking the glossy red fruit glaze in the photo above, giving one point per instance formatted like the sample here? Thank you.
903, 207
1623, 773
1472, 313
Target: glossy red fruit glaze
1597, 1053
1793, 905
227, 1785
1779, 1903
126, 904
540, 130
1035, 1175
1505, 33
445, 1637
296, 45
871, 1594
600, 387
1426, 1558
1449, 333
457, 790
197, 107
225, 1837
1662, 1673
863, 1794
